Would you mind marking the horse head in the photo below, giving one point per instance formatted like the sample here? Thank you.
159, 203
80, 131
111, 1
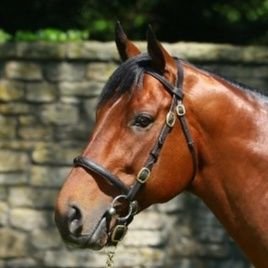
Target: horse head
140, 151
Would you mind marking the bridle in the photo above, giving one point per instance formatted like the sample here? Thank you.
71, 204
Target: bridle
128, 194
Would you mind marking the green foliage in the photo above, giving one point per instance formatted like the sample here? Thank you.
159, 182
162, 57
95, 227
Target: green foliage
100, 17
51, 35
248, 19
4, 37
235, 21
48, 35
251, 10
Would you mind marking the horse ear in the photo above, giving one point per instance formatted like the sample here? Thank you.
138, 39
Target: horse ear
161, 59
125, 47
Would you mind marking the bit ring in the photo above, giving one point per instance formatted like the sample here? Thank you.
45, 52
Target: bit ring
113, 212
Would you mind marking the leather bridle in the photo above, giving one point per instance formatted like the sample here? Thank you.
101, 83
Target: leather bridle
128, 194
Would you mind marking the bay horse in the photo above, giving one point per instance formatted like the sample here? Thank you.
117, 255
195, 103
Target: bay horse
164, 126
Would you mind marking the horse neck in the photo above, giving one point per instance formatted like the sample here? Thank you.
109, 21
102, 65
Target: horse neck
230, 129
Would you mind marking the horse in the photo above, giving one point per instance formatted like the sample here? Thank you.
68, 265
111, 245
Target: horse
164, 126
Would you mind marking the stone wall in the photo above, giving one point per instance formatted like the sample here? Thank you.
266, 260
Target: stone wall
47, 101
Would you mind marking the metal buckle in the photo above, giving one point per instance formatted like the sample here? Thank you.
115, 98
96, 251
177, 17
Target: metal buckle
118, 233
131, 208
170, 119
143, 175
180, 109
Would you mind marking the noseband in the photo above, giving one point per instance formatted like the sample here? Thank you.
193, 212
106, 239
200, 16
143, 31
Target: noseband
128, 194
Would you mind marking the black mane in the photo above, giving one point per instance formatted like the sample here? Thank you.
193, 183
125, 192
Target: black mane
129, 75
125, 78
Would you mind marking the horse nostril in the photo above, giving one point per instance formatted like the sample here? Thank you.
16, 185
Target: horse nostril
74, 220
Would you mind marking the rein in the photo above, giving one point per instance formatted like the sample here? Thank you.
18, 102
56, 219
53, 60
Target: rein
128, 194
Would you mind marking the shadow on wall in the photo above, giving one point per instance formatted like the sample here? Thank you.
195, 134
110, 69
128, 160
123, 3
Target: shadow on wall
198, 238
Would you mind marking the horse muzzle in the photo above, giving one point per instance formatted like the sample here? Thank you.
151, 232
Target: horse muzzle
95, 240
108, 230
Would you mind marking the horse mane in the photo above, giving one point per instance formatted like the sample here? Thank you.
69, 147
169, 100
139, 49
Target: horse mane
129, 75
249, 90
252, 91
125, 78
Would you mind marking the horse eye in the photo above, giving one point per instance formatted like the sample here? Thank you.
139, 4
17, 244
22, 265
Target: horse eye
143, 120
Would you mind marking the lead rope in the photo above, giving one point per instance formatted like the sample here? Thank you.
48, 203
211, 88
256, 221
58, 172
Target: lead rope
110, 257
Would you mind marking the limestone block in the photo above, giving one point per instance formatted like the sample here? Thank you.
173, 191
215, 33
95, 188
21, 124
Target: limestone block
215, 250
11, 91
148, 221
20, 196
7, 127
11, 161
9, 179
21, 145
204, 217
219, 52
208, 234
175, 205
23, 70
183, 262
40, 50
28, 120
47, 176
251, 76
13, 243
3, 213
258, 85
60, 114
187, 247
257, 72
15, 108
41, 92
79, 131
43, 239
99, 71
22, 263
76, 258
145, 238
64, 71
150, 257
25, 196
230, 262
69, 99
29, 219
256, 54
8, 50
92, 50
3, 194
36, 132
90, 106
1, 68
81, 89
46, 50
54, 154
